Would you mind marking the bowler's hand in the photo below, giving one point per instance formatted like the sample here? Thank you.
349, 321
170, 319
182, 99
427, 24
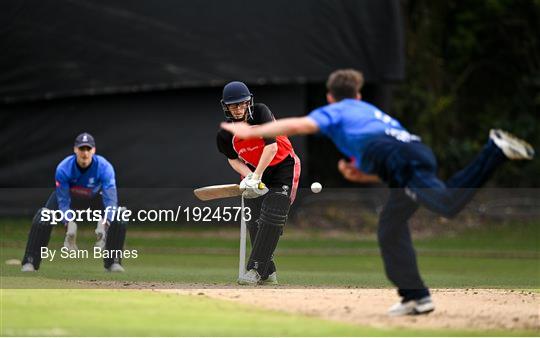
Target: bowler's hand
240, 129
351, 173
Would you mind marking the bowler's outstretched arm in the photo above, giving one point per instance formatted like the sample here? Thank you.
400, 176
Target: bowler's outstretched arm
287, 126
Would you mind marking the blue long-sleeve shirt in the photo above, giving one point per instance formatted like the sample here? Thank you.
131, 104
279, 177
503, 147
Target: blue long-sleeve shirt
99, 176
353, 124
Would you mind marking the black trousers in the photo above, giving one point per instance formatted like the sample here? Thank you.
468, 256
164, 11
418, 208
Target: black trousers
422, 187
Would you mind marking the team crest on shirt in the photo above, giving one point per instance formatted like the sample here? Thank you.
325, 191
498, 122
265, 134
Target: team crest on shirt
243, 150
91, 182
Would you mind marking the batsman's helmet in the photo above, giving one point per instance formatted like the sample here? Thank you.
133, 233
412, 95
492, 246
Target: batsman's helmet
236, 92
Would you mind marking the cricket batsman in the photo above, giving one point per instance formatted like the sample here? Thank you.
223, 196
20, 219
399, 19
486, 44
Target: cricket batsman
82, 179
270, 171
379, 144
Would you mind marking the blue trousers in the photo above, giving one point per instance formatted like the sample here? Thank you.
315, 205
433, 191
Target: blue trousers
412, 173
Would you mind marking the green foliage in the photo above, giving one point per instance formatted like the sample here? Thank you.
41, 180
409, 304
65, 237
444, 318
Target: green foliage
472, 66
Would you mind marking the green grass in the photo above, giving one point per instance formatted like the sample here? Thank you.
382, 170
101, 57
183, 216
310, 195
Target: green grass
145, 313
498, 256
78, 313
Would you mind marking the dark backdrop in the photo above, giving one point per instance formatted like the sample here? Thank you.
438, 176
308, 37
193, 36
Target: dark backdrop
73, 47
145, 79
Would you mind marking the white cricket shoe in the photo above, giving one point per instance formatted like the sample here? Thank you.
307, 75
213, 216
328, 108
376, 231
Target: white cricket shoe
28, 267
513, 147
251, 277
115, 267
412, 307
101, 236
271, 280
70, 242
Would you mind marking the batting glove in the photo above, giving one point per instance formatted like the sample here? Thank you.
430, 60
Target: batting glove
252, 186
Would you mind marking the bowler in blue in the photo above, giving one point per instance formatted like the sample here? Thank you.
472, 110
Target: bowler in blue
378, 145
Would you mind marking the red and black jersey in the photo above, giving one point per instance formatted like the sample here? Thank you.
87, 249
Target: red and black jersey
250, 151
283, 170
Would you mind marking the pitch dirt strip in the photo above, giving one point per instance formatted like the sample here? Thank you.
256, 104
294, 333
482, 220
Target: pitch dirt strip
470, 309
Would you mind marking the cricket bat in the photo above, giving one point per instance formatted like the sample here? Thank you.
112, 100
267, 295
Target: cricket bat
217, 191
213, 192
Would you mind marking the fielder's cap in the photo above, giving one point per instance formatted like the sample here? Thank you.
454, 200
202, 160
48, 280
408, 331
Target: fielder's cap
85, 139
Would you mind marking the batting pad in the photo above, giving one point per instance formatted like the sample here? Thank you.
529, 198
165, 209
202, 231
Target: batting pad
274, 211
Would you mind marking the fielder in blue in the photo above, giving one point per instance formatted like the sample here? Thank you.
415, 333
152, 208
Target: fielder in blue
83, 180
380, 145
